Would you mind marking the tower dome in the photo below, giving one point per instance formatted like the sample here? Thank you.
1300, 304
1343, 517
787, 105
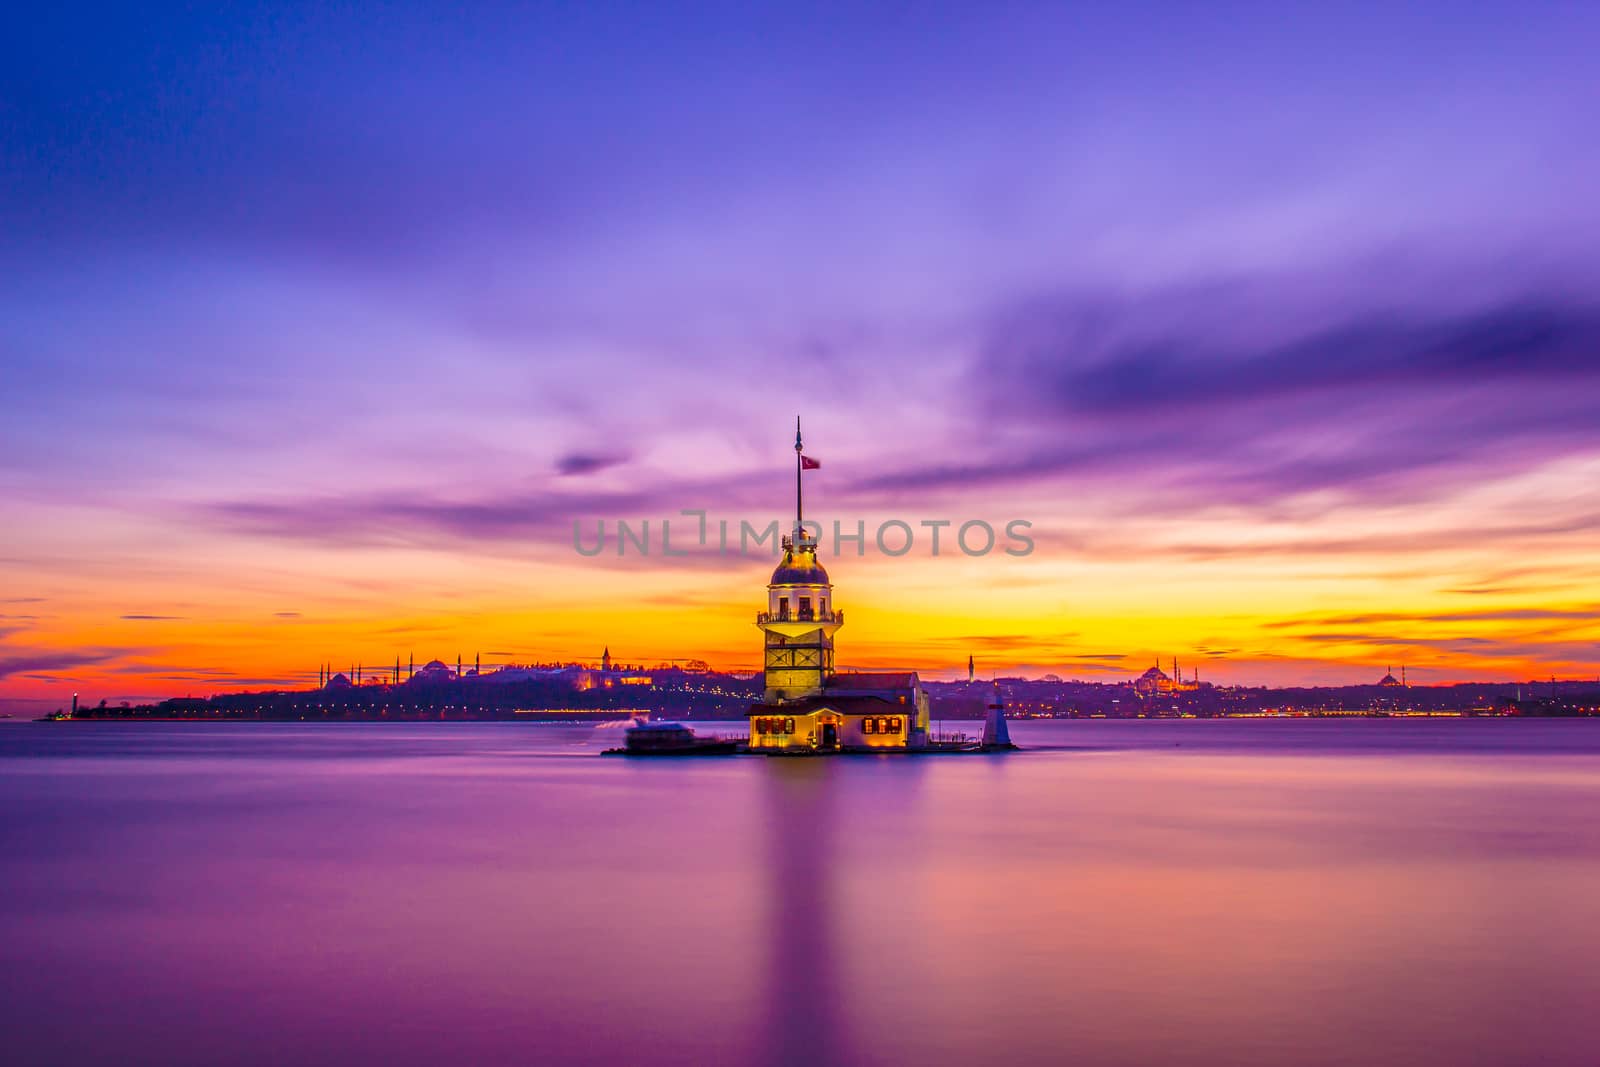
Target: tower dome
799, 566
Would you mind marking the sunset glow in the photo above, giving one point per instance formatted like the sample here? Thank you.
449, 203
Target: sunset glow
1289, 359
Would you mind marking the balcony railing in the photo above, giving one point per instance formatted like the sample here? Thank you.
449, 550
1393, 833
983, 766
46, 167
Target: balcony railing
763, 617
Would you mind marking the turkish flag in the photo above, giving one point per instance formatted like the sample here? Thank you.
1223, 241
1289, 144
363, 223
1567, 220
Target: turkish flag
809, 464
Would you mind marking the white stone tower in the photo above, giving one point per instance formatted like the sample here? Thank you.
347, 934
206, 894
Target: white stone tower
800, 619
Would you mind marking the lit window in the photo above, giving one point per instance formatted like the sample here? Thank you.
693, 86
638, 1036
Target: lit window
788, 726
894, 724
867, 725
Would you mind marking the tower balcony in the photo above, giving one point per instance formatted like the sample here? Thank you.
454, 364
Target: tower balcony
794, 623
792, 615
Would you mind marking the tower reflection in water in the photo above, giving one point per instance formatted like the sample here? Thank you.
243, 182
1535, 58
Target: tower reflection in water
804, 1015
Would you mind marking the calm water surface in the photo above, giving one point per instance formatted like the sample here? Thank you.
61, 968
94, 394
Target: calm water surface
1127, 893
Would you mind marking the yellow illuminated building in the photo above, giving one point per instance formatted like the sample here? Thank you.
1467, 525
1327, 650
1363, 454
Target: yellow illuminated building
799, 622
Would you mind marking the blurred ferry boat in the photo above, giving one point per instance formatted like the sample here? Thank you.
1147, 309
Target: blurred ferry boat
672, 739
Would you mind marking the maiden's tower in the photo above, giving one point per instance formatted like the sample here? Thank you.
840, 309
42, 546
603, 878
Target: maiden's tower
807, 705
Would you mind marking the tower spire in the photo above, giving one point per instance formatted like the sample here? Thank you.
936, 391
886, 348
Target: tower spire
799, 465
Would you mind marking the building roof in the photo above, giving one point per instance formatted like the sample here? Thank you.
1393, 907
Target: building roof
872, 680
848, 705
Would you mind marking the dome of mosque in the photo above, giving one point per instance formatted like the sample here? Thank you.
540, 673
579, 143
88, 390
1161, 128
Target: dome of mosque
435, 671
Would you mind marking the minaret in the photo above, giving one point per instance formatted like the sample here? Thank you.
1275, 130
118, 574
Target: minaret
800, 621
605, 659
970, 669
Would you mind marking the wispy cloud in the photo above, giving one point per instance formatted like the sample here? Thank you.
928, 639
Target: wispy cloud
1484, 649
576, 463
56, 661
1590, 613
1385, 406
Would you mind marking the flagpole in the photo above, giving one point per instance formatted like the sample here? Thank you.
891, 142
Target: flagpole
798, 466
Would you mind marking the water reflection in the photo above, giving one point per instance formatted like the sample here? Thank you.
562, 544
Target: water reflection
804, 1016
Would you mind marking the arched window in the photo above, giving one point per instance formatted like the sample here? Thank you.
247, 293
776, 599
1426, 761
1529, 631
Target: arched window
869, 726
